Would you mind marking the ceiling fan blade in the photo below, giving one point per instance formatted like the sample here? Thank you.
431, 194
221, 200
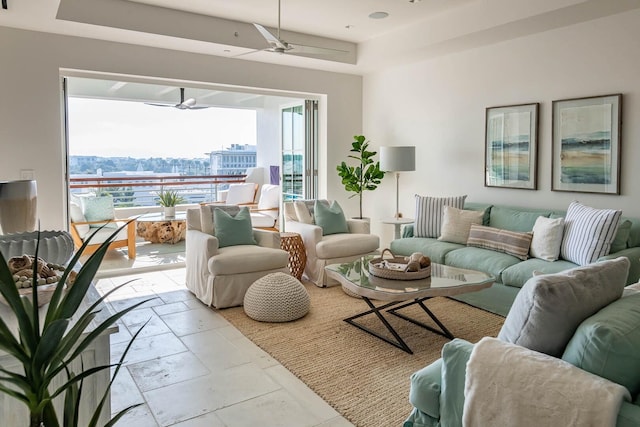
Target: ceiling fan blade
314, 50
159, 105
198, 107
271, 39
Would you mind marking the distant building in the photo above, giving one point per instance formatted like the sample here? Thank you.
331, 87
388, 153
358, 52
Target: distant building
234, 160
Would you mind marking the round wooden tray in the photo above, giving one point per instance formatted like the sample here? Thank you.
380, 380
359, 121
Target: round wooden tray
376, 269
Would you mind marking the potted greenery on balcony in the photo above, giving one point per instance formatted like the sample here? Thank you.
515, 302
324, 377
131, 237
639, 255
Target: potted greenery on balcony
168, 200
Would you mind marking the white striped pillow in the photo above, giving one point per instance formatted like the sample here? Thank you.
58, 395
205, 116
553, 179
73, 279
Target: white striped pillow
588, 233
429, 211
510, 242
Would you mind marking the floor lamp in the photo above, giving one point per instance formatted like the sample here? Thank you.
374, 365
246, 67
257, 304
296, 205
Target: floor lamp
398, 159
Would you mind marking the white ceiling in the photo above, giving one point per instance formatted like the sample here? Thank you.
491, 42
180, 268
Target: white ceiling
413, 31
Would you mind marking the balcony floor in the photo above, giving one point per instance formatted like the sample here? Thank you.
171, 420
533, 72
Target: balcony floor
149, 257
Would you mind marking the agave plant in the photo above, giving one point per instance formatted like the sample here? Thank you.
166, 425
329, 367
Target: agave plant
169, 198
46, 348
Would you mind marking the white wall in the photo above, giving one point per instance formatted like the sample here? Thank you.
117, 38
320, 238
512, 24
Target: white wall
31, 112
439, 106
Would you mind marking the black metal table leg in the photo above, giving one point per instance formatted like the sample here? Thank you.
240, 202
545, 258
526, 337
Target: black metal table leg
376, 310
443, 330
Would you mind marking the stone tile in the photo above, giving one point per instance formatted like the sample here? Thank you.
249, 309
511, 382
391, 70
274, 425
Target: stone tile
196, 303
277, 409
167, 370
174, 307
176, 295
206, 420
192, 321
148, 348
153, 325
302, 393
124, 302
192, 398
215, 351
258, 355
121, 336
140, 416
124, 391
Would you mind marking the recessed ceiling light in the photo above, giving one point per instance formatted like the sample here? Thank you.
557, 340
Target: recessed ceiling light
348, 27
378, 15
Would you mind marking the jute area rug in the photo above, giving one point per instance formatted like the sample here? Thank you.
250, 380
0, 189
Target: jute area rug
364, 378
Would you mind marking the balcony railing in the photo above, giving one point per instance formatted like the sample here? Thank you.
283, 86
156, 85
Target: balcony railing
132, 191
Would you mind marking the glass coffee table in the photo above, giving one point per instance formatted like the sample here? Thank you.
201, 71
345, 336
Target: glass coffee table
444, 281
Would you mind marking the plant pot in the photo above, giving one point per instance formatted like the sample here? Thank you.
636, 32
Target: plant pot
169, 211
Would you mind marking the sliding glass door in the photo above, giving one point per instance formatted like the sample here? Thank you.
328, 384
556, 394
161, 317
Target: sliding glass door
299, 151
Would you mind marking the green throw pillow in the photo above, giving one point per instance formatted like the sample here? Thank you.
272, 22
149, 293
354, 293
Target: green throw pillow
98, 209
233, 231
330, 218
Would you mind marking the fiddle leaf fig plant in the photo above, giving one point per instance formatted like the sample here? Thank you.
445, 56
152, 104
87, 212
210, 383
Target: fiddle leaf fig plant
365, 175
49, 344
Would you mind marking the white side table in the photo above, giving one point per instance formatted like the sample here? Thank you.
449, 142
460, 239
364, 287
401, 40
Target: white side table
397, 223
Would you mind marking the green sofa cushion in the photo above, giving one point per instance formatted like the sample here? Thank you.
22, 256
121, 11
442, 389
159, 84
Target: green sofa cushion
425, 389
518, 274
433, 248
455, 355
497, 299
622, 236
515, 219
607, 344
417, 418
486, 260
484, 207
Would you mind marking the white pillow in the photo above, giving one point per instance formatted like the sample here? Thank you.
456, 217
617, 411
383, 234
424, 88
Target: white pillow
429, 212
269, 197
547, 238
241, 193
588, 233
302, 212
75, 212
456, 224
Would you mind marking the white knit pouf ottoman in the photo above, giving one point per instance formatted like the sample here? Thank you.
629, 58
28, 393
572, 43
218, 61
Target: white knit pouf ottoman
276, 297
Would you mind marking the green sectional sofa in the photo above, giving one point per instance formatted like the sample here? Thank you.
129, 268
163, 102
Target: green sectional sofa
605, 344
511, 272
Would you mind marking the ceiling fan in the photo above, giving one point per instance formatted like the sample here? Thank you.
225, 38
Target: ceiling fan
278, 45
184, 104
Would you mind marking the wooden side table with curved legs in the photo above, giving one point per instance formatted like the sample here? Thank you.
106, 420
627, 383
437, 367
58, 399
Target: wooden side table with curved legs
293, 244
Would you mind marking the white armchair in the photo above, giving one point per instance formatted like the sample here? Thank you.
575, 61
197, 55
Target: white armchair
220, 277
330, 249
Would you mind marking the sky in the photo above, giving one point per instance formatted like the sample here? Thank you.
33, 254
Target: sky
110, 128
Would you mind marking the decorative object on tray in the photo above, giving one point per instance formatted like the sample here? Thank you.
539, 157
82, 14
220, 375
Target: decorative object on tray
47, 276
416, 266
18, 206
586, 144
55, 246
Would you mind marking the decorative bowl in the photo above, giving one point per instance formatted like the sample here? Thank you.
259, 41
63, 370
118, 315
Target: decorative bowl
55, 246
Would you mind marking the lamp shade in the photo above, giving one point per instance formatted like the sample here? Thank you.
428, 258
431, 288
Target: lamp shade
398, 159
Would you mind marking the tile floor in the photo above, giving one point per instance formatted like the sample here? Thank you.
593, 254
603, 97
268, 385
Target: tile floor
189, 367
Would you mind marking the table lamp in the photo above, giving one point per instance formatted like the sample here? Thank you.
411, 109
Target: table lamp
398, 159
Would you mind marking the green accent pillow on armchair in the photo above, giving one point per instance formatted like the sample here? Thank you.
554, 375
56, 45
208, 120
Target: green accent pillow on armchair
330, 218
233, 231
